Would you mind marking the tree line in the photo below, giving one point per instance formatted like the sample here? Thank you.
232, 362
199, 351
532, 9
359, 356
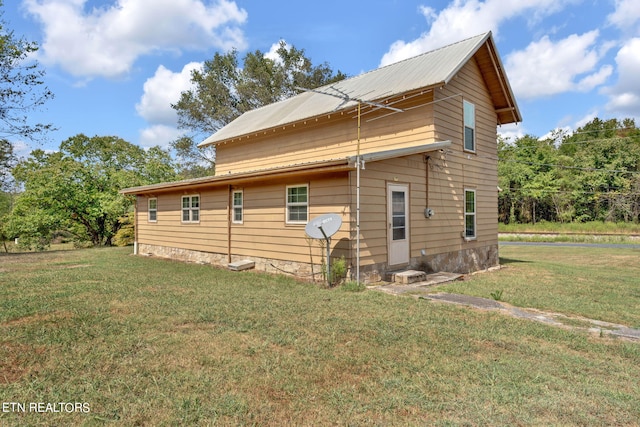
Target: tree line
591, 174
74, 191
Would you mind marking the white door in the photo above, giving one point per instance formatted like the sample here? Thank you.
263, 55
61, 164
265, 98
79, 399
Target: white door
398, 224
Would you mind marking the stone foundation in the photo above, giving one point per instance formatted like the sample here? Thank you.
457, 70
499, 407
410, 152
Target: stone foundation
301, 270
464, 262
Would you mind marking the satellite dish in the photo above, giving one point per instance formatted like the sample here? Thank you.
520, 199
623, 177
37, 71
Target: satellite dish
324, 226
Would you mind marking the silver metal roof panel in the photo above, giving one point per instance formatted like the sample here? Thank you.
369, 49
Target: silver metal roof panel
422, 71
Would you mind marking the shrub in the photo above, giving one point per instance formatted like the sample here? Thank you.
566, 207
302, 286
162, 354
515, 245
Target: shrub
353, 286
126, 235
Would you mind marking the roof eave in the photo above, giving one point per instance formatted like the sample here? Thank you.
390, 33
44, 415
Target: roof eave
324, 166
513, 108
320, 167
351, 106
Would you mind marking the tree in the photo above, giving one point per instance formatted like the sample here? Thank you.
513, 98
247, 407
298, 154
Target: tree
7, 196
606, 154
7, 160
593, 174
22, 91
223, 91
22, 88
528, 179
77, 188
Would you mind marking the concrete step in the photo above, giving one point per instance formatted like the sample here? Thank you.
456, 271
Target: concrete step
407, 277
245, 264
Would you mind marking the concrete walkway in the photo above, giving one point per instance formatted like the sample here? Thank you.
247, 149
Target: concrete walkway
424, 290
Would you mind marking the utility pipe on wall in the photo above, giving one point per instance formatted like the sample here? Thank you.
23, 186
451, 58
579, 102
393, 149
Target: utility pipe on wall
229, 204
358, 161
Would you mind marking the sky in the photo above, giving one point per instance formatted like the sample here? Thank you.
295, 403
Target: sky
116, 66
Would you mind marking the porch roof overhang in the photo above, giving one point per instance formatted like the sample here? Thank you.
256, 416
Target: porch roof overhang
317, 167
323, 166
401, 152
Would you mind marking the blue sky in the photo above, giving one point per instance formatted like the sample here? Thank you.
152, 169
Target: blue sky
115, 66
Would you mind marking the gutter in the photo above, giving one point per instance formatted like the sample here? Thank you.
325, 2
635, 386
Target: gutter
242, 177
401, 152
322, 166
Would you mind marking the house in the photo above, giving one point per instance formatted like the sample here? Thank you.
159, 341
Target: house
405, 154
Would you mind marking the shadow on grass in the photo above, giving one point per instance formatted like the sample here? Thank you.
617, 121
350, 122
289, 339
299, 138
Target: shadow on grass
505, 261
33, 254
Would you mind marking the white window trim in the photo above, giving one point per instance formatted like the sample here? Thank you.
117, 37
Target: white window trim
234, 207
474, 214
464, 127
288, 205
191, 209
149, 210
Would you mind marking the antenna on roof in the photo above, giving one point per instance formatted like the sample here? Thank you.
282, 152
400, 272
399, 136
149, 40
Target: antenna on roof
346, 98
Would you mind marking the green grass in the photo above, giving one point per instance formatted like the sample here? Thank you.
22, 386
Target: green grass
570, 238
598, 283
594, 227
588, 232
150, 342
11, 247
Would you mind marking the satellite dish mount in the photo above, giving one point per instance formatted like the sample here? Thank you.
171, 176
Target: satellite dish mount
323, 227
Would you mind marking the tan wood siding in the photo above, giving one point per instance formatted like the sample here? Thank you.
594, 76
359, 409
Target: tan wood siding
408, 170
264, 231
450, 172
437, 183
324, 139
208, 235
464, 169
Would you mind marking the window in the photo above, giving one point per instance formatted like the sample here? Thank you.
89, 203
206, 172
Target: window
398, 215
237, 207
297, 204
470, 214
153, 210
469, 126
190, 208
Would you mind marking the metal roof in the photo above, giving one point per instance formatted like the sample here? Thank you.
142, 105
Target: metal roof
430, 69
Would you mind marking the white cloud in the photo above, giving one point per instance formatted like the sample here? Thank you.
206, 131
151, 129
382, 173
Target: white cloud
547, 68
467, 18
624, 96
512, 131
162, 90
273, 51
107, 41
626, 15
557, 134
586, 119
543, 68
568, 124
21, 149
160, 135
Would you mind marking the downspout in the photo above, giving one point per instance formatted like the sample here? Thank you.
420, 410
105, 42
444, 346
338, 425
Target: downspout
135, 226
229, 201
358, 202
427, 158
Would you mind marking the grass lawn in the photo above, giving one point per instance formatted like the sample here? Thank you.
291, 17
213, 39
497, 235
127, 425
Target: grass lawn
590, 232
592, 227
144, 341
598, 283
